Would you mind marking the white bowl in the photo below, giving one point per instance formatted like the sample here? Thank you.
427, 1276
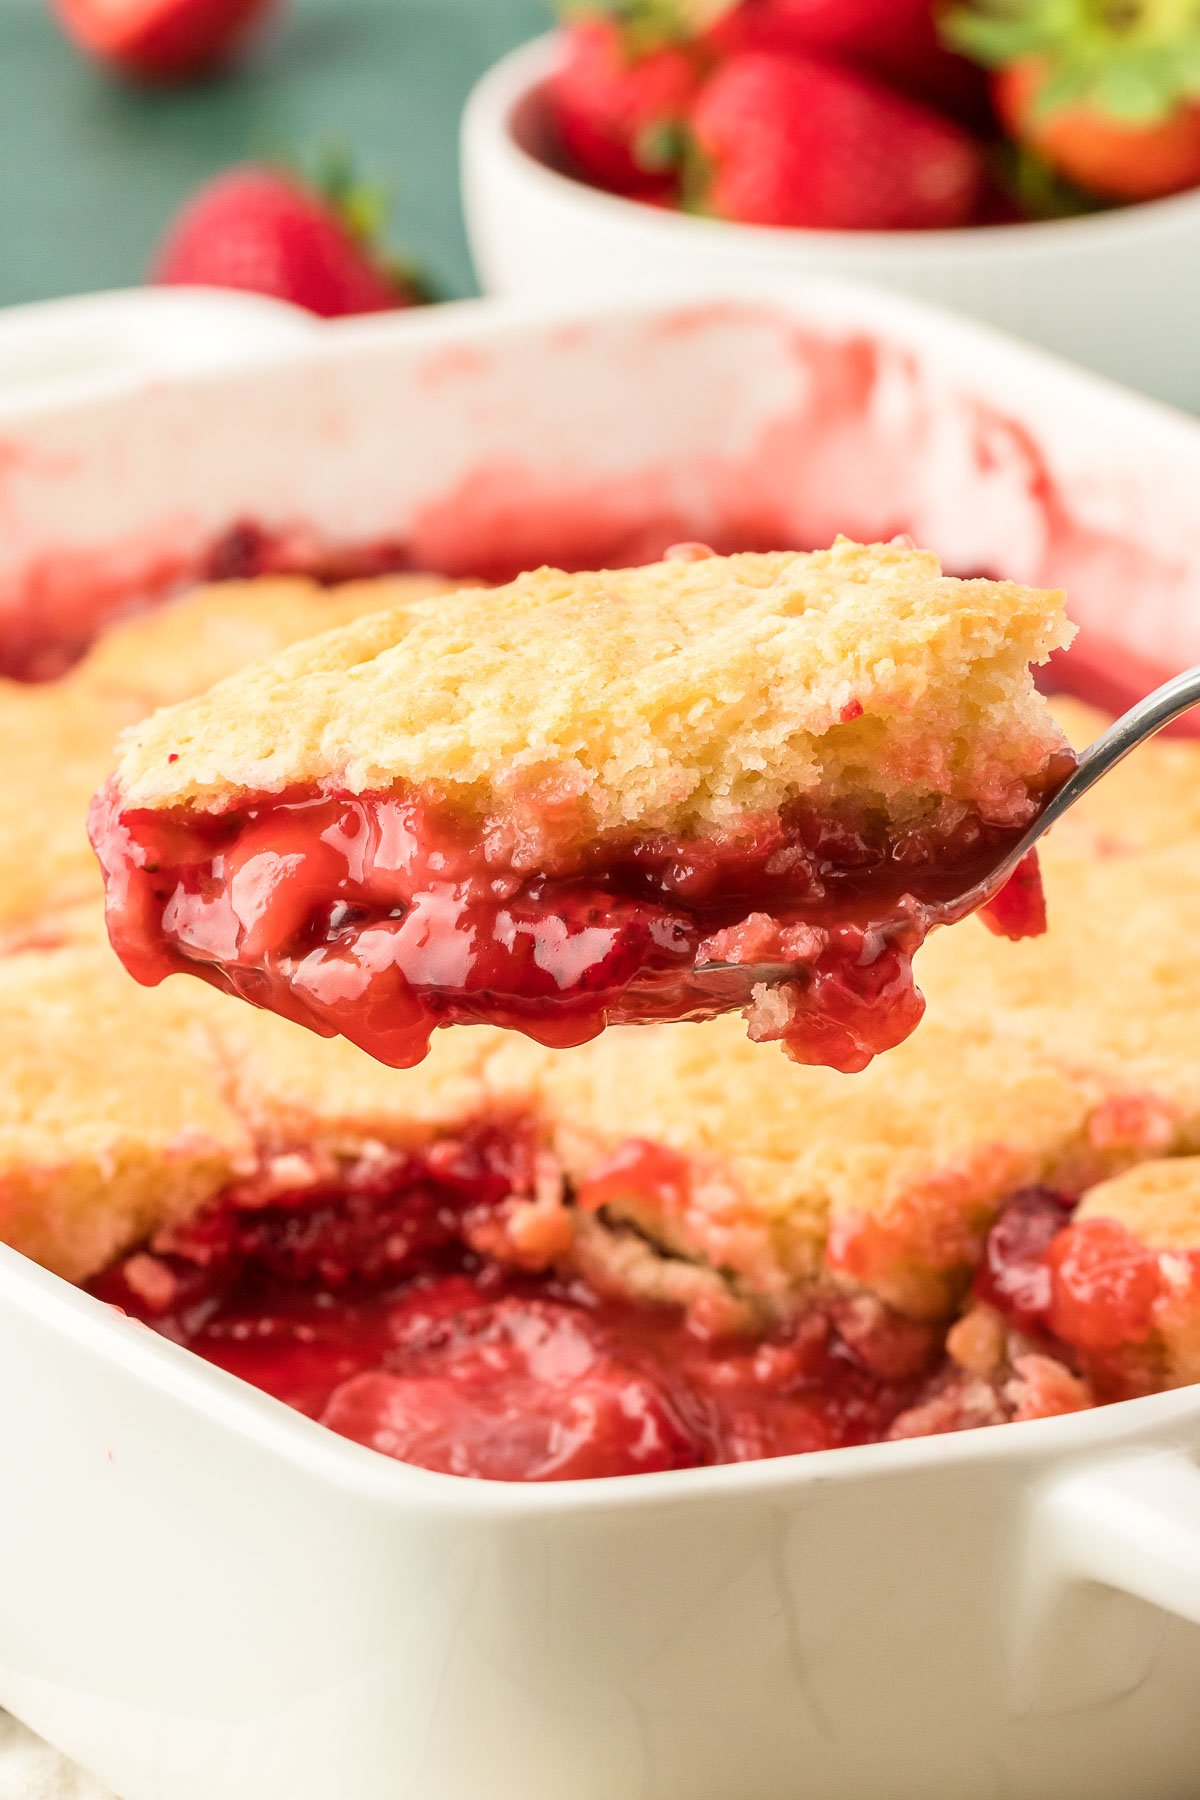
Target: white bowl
1118, 291
205, 1594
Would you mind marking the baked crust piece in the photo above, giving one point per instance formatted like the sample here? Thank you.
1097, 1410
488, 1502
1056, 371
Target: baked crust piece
546, 805
682, 695
173, 652
131, 1109
113, 1120
125, 1111
56, 745
1158, 1202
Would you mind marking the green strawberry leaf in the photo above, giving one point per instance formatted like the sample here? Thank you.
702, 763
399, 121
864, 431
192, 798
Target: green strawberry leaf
364, 208
648, 25
695, 175
1039, 191
1134, 60
659, 148
1062, 88
1135, 92
991, 40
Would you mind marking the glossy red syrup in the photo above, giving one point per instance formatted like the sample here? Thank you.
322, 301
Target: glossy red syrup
362, 1304
381, 916
1014, 1275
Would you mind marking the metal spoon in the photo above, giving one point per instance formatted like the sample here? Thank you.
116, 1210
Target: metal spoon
1141, 722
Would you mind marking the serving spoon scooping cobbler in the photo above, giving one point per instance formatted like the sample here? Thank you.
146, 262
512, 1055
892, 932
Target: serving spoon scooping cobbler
574, 801
1134, 728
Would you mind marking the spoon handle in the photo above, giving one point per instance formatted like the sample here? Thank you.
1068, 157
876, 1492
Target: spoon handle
1149, 716
1143, 721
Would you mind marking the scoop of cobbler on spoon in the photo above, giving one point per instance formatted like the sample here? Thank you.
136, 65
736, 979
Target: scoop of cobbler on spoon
555, 805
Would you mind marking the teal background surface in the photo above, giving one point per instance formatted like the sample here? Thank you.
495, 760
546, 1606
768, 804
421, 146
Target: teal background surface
93, 168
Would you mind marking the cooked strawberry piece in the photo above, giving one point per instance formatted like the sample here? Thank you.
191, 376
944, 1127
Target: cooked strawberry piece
1019, 909
649, 1171
366, 1301
515, 1390
1015, 1275
1105, 1285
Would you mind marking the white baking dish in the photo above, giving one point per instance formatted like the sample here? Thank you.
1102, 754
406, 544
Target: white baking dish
1117, 290
205, 1594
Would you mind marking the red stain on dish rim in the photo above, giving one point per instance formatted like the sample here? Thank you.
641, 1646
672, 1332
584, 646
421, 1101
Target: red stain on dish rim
1103, 571
847, 451
17, 458
455, 362
504, 517
62, 600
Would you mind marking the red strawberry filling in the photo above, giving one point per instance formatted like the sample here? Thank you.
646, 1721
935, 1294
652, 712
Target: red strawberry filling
404, 1302
1088, 1289
1014, 1275
363, 1300
381, 916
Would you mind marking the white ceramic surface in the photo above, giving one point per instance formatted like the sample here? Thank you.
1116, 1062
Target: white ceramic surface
1119, 291
205, 1594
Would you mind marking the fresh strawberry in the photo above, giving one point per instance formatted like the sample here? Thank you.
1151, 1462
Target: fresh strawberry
1117, 159
264, 230
161, 40
895, 39
1107, 96
790, 140
843, 28
615, 99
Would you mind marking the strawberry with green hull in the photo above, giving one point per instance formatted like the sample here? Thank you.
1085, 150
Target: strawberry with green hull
162, 40
795, 141
895, 40
265, 231
617, 97
1107, 95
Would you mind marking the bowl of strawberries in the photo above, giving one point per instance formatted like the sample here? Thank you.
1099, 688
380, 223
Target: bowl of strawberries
1033, 162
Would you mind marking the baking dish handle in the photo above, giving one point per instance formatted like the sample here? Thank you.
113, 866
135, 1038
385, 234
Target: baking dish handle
1130, 1523
59, 347
1113, 1548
